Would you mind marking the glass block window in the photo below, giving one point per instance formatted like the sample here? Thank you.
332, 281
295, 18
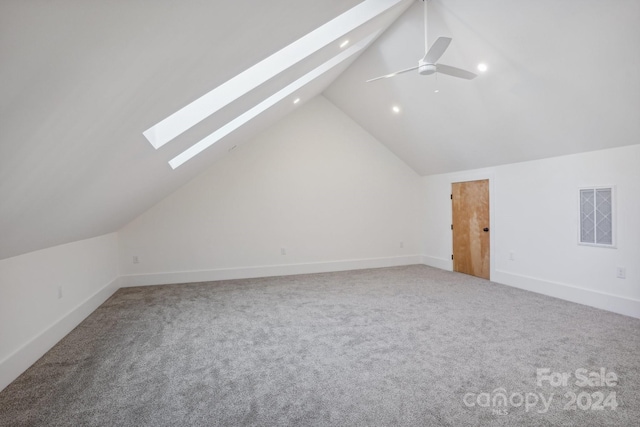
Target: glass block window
596, 216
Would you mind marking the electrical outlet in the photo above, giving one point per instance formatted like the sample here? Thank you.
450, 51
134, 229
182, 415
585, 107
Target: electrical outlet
621, 272
402, 244
512, 256
136, 260
59, 292
283, 251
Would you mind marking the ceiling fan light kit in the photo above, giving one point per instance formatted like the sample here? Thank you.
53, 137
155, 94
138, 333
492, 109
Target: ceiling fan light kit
428, 64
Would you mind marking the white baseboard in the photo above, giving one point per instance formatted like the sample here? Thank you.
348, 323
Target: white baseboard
437, 262
21, 359
602, 300
264, 271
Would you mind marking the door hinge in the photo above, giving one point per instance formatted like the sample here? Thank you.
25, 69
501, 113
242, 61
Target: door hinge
451, 256
452, 226
452, 197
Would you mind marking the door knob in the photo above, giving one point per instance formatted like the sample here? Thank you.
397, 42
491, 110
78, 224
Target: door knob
485, 229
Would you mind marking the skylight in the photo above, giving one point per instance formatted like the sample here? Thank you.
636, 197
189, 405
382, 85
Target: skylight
269, 102
193, 113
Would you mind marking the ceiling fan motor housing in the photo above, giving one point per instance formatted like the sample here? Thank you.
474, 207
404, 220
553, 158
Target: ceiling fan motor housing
426, 69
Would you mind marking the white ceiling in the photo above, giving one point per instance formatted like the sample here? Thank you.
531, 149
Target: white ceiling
564, 77
81, 80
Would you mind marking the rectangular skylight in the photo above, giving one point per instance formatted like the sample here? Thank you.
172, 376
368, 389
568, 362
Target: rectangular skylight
208, 104
269, 102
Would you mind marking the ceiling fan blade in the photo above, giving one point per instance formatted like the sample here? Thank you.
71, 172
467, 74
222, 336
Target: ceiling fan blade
436, 50
386, 76
455, 72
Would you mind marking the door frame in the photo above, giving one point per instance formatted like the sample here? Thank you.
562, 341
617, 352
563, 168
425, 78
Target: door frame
477, 176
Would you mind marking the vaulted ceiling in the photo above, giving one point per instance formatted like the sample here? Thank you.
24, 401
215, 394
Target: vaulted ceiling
81, 80
563, 77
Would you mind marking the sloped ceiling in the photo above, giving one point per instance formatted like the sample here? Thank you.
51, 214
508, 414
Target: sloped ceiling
81, 80
563, 77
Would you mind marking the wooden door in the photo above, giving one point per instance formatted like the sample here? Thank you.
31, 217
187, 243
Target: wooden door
470, 203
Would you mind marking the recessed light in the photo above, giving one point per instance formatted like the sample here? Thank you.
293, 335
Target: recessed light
437, 91
395, 109
482, 67
344, 43
295, 101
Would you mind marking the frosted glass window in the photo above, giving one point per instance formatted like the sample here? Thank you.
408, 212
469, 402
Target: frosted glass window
596, 216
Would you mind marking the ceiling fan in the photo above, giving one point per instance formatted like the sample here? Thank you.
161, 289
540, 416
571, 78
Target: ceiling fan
427, 65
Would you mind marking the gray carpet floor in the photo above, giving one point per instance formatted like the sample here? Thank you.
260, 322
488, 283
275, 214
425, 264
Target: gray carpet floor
402, 346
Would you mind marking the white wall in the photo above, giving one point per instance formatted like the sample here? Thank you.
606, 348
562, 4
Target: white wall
32, 317
315, 184
534, 214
